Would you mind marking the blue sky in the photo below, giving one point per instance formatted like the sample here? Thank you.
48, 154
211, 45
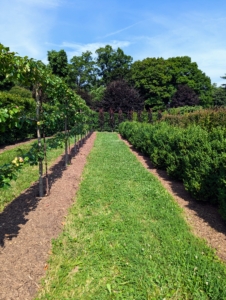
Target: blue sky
143, 28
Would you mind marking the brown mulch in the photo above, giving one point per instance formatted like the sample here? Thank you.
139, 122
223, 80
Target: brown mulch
28, 224
203, 218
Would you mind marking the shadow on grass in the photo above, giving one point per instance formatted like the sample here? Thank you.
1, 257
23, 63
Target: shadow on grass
16, 211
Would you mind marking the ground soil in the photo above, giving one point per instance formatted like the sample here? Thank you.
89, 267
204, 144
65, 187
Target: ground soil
203, 218
28, 224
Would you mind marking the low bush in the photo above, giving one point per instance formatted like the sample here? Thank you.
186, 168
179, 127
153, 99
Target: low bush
192, 154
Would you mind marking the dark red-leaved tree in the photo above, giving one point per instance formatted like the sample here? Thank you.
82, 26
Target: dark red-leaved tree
119, 95
184, 96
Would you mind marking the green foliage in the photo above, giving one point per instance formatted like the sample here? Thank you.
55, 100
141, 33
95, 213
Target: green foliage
112, 64
16, 115
125, 238
219, 96
5, 84
193, 155
157, 80
20, 91
97, 93
82, 71
58, 63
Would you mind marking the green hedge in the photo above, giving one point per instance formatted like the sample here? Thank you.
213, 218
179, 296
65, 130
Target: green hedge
205, 118
193, 155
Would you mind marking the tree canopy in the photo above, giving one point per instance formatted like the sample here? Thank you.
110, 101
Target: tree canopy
112, 64
119, 95
58, 63
157, 80
82, 71
184, 96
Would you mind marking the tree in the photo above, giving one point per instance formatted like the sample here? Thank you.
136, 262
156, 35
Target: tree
82, 71
85, 96
112, 64
58, 63
157, 80
119, 95
219, 95
184, 96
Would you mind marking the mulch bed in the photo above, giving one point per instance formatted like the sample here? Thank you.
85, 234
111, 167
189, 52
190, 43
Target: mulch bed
203, 218
28, 224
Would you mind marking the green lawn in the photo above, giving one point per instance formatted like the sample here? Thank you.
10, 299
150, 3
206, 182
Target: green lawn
125, 238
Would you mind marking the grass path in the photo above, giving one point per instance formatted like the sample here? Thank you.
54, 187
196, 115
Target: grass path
125, 238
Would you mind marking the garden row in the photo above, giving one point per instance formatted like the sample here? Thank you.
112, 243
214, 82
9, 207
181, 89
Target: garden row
125, 238
193, 155
54, 103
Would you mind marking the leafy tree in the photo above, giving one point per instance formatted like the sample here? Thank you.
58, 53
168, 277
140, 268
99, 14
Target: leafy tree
82, 71
119, 95
219, 95
112, 64
184, 96
85, 96
157, 80
97, 94
58, 63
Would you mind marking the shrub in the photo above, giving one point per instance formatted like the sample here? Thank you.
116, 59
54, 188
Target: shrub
193, 155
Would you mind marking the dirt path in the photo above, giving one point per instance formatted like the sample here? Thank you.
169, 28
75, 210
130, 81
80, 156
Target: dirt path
203, 218
28, 224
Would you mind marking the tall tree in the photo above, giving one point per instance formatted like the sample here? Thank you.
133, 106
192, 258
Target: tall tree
82, 71
157, 80
112, 64
119, 95
58, 63
219, 95
184, 96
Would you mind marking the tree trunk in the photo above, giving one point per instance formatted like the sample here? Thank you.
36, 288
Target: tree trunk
66, 141
40, 165
46, 165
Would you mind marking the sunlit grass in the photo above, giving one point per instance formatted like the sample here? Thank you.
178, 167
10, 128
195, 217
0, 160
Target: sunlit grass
125, 238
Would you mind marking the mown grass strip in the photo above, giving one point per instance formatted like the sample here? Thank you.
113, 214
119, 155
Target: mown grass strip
125, 238
26, 176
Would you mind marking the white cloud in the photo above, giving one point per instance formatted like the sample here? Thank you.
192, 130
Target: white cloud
199, 37
26, 24
121, 30
75, 49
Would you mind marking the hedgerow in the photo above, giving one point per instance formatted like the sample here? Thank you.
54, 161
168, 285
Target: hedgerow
193, 155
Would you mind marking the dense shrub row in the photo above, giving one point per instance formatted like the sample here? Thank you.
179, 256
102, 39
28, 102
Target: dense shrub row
205, 118
192, 154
